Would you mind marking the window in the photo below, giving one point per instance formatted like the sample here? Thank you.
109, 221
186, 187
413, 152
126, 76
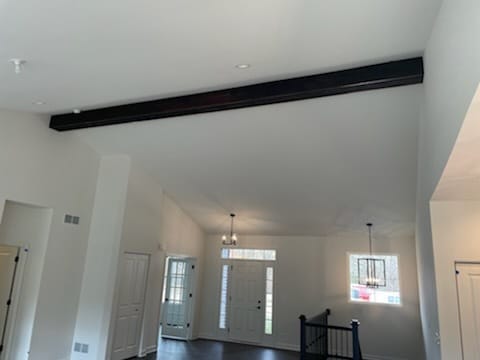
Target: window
249, 254
390, 294
269, 301
177, 282
223, 298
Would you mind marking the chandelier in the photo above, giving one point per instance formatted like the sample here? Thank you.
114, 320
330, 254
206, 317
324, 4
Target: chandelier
232, 238
371, 270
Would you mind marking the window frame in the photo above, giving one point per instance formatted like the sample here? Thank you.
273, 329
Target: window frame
349, 282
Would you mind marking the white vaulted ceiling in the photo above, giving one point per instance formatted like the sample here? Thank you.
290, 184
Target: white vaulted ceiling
306, 167
309, 167
82, 54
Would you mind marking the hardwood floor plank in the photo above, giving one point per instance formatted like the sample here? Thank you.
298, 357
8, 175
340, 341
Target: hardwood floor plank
211, 350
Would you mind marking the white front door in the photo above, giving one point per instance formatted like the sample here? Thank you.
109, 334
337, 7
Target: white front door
176, 322
130, 306
246, 301
468, 285
8, 264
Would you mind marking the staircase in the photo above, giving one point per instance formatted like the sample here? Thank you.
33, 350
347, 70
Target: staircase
321, 341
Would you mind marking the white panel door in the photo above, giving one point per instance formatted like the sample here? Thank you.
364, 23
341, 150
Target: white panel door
246, 301
177, 304
468, 285
8, 264
130, 306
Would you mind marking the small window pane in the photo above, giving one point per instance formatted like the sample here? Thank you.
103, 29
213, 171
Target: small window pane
269, 301
249, 254
223, 298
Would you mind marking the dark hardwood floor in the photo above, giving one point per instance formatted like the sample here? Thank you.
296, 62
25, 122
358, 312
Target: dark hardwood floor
212, 350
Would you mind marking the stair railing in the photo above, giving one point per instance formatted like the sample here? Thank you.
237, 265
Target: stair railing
319, 340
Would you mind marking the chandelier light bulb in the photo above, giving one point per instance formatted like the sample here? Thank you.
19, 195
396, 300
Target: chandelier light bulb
230, 239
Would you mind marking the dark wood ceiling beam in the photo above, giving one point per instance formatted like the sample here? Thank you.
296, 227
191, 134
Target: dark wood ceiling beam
379, 76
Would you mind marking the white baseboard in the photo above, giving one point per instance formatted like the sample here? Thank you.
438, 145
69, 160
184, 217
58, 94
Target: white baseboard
208, 337
286, 346
147, 350
150, 349
377, 357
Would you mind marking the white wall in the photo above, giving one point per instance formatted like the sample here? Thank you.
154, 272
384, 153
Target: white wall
155, 225
456, 234
451, 77
28, 228
311, 274
131, 214
42, 167
184, 237
98, 285
142, 227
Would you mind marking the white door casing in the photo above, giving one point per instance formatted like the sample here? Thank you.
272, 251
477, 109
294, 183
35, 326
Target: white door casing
131, 300
178, 301
8, 265
247, 301
468, 287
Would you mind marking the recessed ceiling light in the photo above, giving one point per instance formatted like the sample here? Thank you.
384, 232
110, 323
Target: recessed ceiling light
76, 111
39, 103
243, 66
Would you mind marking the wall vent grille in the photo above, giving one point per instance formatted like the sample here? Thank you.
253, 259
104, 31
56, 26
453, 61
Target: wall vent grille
71, 219
80, 348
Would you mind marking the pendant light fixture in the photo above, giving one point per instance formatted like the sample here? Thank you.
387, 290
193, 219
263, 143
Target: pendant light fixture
232, 238
371, 270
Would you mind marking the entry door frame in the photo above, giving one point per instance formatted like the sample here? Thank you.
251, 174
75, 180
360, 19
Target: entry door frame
16, 295
459, 309
264, 338
142, 315
192, 287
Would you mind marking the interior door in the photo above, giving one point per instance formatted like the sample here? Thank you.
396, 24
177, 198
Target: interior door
8, 265
130, 306
178, 298
468, 285
246, 301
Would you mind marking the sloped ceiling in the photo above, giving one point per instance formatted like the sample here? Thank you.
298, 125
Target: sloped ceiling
82, 54
309, 167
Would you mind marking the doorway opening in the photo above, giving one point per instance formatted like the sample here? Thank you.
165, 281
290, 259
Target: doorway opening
9, 257
468, 292
24, 233
178, 298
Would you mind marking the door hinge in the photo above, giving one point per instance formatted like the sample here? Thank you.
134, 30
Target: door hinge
228, 329
457, 272
16, 259
188, 325
1, 348
191, 295
231, 267
9, 301
193, 267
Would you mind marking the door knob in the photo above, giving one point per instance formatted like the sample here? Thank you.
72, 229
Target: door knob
259, 307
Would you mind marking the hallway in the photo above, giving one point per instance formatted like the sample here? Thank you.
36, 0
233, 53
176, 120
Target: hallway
212, 350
